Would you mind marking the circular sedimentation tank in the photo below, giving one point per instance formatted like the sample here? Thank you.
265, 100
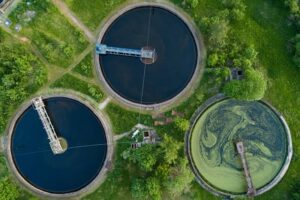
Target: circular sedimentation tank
211, 146
83, 136
140, 81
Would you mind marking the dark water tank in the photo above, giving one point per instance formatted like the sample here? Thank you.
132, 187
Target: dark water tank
176, 51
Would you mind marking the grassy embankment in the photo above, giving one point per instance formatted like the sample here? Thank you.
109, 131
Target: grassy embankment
92, 12
57, 40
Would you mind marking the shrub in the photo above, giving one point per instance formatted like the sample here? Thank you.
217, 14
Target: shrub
252, 87
8, 190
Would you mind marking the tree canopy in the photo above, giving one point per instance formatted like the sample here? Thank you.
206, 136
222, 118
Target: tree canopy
8, 190
21, 75
252, 87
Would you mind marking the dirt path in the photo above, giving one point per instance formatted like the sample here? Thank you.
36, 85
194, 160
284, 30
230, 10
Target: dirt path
76, 61
63, 8
86, 79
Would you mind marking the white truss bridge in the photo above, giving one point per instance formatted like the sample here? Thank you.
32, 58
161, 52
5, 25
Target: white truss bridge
103, 49
52, 136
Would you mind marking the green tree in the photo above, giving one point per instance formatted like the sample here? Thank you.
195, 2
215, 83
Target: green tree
162, 171
149, 188
145, 157
192, 3
296, 60
180, 178
170, 149
21, 75
217, 28
138, 189
182, 124
252, 87
8, 190
213, 60
236, 8
153, 188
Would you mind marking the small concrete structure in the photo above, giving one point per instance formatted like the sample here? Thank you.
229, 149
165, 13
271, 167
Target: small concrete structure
236, 74
4, 5
149, 136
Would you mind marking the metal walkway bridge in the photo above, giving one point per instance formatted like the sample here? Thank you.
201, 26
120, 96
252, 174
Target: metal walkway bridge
241, 150
52, 136
103, 49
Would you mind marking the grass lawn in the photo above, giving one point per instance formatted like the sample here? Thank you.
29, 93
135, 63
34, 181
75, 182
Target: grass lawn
70, 82
124, 120
85, 67
91, 12
58, 41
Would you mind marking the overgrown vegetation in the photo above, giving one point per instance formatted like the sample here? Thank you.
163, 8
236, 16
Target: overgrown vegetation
85, 67
226, 51
163, 168
157, 171
8, 190
21, 74
92, 12
58, 41
71, 82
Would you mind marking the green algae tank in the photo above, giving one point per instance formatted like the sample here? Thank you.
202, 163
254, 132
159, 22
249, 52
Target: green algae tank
212, 152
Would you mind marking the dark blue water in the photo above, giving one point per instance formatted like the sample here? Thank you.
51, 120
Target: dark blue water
69, 171
175, 47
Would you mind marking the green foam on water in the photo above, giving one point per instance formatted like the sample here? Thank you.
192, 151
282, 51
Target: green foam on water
213, 149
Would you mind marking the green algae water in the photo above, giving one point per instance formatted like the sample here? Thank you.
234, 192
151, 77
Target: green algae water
213, 148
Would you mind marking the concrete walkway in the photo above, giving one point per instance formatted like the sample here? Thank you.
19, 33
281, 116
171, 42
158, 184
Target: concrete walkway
120, 136
63, 8
104, 103
137, 126
2, 144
